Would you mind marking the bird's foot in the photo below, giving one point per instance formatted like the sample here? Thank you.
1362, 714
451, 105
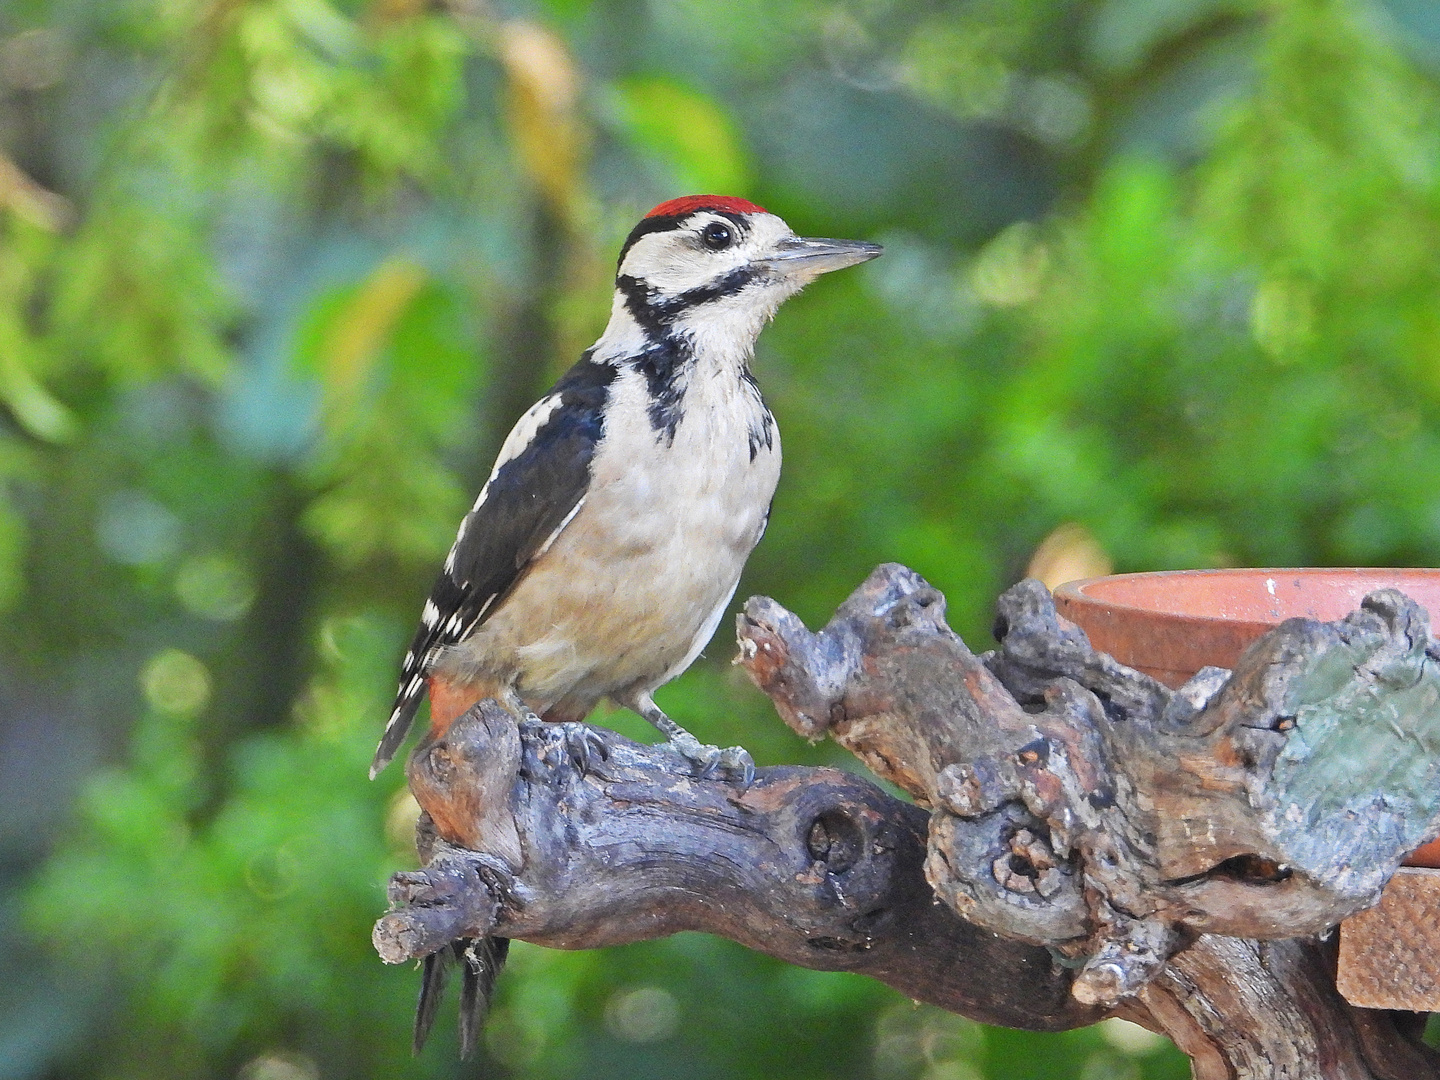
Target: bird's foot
583, 744
580, 743
709, 760
706, 758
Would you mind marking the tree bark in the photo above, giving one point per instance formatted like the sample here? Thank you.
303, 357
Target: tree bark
812, 865
1097, 843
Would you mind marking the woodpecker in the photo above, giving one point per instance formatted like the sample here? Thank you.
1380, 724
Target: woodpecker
608, 541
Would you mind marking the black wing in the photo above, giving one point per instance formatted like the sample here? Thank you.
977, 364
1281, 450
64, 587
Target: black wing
531, 495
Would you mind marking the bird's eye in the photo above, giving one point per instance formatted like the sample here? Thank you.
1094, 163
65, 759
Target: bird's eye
717, 236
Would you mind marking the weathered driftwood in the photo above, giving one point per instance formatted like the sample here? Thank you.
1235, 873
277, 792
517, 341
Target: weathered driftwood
814, 866
1109, 830
1083, 805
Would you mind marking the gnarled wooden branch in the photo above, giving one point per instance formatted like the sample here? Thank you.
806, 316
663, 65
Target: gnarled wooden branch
814, 866
1082, 805
1087, 815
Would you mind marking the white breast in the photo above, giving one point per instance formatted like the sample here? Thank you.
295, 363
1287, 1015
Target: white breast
634, 587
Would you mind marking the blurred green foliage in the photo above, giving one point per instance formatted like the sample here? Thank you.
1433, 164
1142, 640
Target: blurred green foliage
1162, 283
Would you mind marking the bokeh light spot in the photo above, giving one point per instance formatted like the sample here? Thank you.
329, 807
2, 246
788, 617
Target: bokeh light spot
175, 682
215, 586
1009, 270
135, 530
1282, 316
280, 1066
1131, 1039
642, 1015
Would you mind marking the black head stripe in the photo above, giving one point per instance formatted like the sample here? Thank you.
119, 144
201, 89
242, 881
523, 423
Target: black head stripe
727, 285
645, 306
666, 355
656, 314
659, 223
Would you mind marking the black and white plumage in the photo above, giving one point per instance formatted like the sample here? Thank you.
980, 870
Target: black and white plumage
604, 548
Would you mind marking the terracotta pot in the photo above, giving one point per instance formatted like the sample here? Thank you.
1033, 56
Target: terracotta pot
1172, 623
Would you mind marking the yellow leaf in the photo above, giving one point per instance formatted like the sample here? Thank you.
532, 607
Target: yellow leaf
544, 87
360, 330
1070, 553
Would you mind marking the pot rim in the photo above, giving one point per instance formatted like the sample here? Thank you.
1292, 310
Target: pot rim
1075, 591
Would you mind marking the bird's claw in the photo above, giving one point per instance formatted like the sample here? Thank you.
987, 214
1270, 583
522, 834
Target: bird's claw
583, 745
710, 760
732, 760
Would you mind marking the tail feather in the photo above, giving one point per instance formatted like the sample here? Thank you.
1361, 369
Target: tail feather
481, 960
407, 702
434, 974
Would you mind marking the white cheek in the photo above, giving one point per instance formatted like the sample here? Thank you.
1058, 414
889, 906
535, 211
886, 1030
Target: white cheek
675, 267
726, 329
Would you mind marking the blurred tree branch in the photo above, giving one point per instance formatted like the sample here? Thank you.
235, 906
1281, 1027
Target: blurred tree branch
29, 200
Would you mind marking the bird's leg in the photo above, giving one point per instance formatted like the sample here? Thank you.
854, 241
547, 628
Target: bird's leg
582, 745
515, 705
706, 758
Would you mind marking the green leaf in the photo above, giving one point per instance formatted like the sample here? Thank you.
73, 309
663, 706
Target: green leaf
687, 130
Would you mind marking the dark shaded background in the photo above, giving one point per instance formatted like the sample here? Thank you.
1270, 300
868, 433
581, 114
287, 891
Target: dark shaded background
1160, 291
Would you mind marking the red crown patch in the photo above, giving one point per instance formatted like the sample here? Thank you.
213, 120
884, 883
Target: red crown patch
690, 203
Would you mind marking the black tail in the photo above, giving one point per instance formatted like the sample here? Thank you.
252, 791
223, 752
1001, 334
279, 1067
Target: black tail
434, 974
407, 701
481, 960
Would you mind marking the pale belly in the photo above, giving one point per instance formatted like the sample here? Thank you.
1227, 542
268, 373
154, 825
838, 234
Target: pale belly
635, 585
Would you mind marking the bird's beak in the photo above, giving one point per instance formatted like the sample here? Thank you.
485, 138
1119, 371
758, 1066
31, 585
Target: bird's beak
811, 256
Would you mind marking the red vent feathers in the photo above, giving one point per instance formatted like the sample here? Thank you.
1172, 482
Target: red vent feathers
690, 203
